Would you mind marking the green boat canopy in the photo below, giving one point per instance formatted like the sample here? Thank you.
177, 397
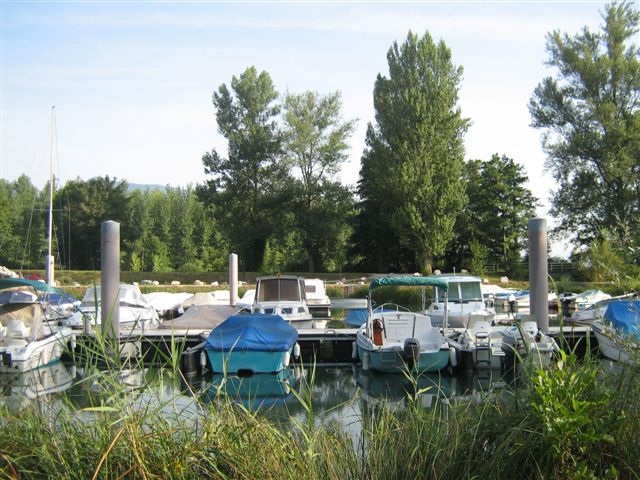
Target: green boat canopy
410, 282
37, 285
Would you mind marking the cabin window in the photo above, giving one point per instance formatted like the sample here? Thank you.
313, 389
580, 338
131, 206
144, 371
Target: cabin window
470, 291
278, 290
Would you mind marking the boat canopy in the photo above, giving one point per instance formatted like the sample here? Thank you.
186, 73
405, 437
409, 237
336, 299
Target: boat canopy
256, 332
625, 316
410, 282
37, 285
356, 317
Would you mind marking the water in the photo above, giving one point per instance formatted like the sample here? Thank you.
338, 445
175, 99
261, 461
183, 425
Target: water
340, 395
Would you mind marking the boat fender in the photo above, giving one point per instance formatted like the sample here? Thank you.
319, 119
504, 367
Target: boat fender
411, 351
354, 351
287, 358
203, 359
453, 356
72, 343
296, 350
365, 361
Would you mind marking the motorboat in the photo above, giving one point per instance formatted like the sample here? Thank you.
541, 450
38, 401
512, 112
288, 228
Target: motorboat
394, 339
27, 339
167, 304
595, 311
317, 298
356, 317
135, 312
285, 296
618, 333
247, 300
589, 297
527, 343
252, 343
462, 304
202, 318
216, 297
479, 346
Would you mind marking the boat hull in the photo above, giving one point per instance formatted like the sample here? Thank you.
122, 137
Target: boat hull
248, 361
611, 346
392, 361
24, 356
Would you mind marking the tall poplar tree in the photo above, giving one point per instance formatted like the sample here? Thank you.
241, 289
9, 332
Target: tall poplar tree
416, 149
590, 115
248, 183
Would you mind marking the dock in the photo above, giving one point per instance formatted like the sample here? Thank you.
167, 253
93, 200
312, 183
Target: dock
329, 347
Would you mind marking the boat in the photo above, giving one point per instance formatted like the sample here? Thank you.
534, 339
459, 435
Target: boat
479, 346
135, 311
216, 297
356, 317
596, 311
167, 304
394, 339
462, 303
202, 318
618, 333
317, 298
526, 342
285, 296
251, 343
246, 302
588, 298
27, 339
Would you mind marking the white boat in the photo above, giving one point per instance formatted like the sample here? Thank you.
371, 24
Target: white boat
317, 299
463, 303
285, 296
216, 297
479, 346
394, 339
167, 304
247, 300
618, 332
27, 339
588, 298
135, 312
527, 343
595, 311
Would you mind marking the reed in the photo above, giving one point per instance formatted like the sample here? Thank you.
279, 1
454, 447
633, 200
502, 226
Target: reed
575, 420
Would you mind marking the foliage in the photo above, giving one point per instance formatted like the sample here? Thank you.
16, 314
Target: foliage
590, 113
249, 185
415, 151
315, 145
479, 258
497, 214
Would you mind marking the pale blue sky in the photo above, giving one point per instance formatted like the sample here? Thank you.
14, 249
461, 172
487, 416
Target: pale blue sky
132, 82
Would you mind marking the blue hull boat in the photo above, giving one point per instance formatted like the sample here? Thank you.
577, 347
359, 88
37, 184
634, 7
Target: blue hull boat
252, 343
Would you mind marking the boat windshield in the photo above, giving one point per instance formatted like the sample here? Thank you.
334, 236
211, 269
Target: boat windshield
462, 292
278, 290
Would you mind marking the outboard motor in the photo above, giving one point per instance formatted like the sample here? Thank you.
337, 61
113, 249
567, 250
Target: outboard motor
411, 351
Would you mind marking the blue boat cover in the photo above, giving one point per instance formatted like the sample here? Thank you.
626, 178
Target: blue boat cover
256, 332
625, 316
356, 317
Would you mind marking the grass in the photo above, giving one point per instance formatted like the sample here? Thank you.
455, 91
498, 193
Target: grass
575, 420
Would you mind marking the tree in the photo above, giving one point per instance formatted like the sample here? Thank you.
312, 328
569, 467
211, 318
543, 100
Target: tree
315, 145
415, 152
590, 114
499, 208
93, 202
248, 185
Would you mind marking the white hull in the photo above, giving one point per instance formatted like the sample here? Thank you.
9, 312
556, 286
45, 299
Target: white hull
613, 346
21, 355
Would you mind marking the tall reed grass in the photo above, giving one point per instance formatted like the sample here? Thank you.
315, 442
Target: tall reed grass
575, 420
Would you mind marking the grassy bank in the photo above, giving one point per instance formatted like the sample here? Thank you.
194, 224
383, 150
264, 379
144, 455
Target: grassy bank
576, 420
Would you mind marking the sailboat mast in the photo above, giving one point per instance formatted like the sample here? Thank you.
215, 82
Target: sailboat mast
49, 261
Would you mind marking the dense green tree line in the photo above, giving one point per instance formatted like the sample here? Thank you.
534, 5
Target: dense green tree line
274, 196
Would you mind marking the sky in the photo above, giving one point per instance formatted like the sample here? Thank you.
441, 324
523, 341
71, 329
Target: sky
132, 82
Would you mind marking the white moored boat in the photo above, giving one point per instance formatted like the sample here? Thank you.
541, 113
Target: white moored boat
27, 339
285, 296
463, 303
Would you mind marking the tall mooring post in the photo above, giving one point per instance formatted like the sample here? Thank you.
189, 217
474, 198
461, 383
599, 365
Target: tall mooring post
233, 279
538, 275
110, 278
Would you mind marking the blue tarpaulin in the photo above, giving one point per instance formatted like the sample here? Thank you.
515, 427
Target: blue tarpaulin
255, 333
625, 316
356, 317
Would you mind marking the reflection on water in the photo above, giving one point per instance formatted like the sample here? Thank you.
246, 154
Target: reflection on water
340, 395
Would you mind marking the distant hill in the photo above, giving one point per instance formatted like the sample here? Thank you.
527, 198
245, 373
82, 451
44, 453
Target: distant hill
145, 188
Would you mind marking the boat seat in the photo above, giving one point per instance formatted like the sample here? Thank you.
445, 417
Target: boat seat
430, 340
